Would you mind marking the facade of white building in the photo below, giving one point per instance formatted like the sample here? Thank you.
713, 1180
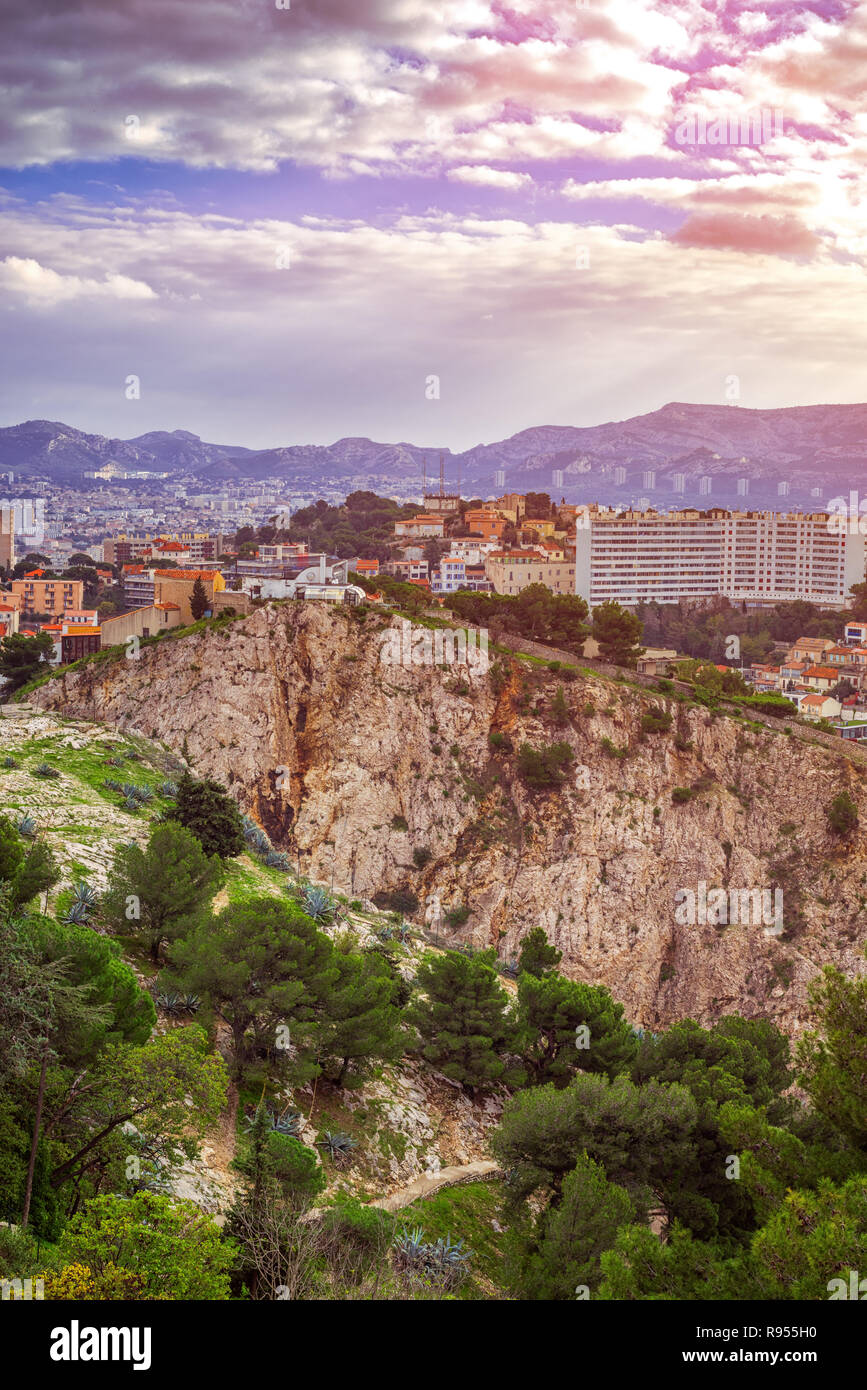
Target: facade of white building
753, 557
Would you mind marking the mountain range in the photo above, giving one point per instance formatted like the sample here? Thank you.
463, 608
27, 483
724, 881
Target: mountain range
803, 453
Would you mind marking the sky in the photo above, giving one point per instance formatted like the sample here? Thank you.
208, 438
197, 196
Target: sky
440, 221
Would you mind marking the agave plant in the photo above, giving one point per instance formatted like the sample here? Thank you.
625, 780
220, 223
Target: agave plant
45, 770
385, 933
441, 1260
409, 1246
337, 1144
258, 841
83, 893
114, 762
9, 761
111, 784
27, 827
447, 1257
171, 1003
168, 789
131, 804
133, 792
275, 860
76, 914
288, 1123
510, 968
191, 1003
317, 903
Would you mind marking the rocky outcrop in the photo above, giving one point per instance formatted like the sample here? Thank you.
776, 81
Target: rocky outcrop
383, 777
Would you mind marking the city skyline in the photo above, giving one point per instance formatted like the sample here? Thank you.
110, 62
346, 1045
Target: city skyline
383, 220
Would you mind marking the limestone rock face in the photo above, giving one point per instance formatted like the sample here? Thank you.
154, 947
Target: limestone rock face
351, 765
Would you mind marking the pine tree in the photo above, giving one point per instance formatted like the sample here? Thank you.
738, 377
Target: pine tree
618, 634
209, 812
463, 1020
198, 599
265, 966
574, 1234
568, 1026
559, 708
538, 957
158, 890
24, 872
362, 1022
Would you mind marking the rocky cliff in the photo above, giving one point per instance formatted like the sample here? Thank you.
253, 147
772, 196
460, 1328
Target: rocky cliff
383, 777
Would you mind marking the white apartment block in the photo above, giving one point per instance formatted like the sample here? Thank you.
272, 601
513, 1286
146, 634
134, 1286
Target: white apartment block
752, 557
472, 549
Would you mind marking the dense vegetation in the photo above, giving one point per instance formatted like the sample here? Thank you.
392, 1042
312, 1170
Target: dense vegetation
638, 1166
706, 631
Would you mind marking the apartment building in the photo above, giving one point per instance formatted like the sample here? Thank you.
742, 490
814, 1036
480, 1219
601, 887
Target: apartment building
485, 522
7, 537
279, 552
771, 557
757, 558
138, 586
452, 573
472, 549
52, 596
510, 571
406, 570
809, 649
199, 545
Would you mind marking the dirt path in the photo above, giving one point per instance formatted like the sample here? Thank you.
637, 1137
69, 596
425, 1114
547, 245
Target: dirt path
429, 1183
224, 1141
424, 1186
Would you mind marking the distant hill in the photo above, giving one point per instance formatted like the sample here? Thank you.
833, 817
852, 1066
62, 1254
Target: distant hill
806, 447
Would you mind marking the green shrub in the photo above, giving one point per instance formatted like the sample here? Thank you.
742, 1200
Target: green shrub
681, 794
842, 814
776, 705
545, 767
655, 721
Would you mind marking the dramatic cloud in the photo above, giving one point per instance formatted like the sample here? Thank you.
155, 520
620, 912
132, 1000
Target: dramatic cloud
268, 332
784, 236
284, 220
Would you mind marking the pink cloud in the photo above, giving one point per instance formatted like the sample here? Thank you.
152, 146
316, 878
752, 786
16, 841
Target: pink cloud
776, 236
